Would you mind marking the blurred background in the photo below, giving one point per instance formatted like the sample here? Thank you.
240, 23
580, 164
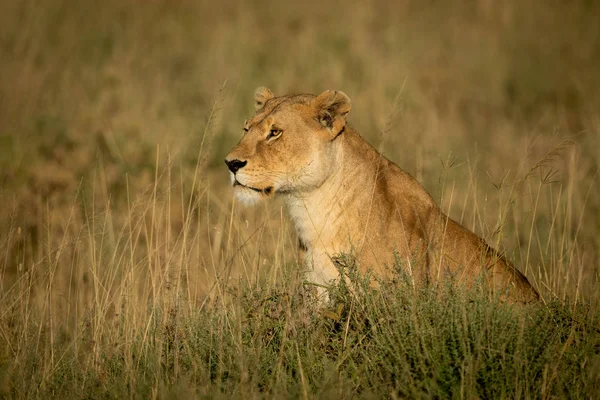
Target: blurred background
115, 117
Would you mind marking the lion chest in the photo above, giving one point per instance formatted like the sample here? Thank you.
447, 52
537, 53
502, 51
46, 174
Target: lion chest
323, 226
324, 231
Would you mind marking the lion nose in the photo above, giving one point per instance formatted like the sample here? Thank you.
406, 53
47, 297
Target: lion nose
235, 165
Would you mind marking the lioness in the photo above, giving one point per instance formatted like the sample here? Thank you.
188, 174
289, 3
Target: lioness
345, 197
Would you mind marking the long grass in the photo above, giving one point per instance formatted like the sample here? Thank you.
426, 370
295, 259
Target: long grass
127, 270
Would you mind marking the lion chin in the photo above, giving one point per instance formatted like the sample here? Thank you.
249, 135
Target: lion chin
247, 196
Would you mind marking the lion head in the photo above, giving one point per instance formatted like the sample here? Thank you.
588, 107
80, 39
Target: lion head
289, 145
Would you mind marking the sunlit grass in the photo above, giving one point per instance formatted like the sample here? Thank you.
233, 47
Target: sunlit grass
126, 269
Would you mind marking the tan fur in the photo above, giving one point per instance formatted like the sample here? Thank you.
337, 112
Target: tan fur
345, 197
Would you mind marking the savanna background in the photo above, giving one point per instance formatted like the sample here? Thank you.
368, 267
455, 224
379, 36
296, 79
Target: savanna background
126, 269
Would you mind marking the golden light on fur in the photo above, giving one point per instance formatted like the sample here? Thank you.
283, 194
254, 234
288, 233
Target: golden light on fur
345, 197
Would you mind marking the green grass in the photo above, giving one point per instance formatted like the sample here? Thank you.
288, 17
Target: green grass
127, 270
276, 341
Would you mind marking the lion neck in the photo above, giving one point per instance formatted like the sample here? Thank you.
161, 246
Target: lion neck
321, 215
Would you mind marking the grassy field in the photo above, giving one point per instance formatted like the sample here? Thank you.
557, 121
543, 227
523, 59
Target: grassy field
126, 269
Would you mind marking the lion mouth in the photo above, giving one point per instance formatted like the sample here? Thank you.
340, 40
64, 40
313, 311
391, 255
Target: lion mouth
267, 190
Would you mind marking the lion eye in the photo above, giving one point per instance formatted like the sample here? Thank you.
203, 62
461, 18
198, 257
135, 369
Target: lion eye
274, 133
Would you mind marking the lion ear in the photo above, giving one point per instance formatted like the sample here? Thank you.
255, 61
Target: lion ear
261, 96
332, 107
